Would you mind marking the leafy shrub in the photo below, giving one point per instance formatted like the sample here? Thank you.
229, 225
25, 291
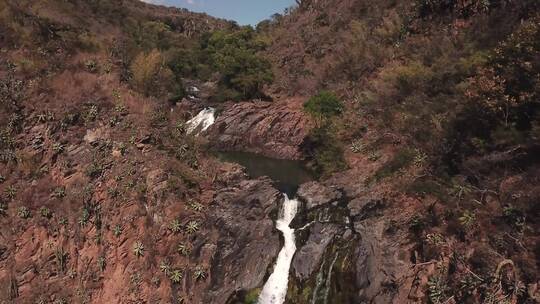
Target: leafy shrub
242, 70
150, 76
324, 151
323, 105
252, 296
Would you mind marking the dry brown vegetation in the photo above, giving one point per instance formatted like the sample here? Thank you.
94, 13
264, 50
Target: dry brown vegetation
441, 105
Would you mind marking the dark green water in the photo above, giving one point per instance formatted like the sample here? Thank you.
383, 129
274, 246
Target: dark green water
286, 174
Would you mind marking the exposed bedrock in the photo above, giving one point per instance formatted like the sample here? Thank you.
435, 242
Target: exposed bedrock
248, 242
271, 129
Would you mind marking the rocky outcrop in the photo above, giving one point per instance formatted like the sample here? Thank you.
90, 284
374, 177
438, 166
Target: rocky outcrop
272, 129
308, 258
315, 194
247, 243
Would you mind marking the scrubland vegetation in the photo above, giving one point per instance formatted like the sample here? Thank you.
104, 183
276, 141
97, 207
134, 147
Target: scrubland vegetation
443, 96
438, 99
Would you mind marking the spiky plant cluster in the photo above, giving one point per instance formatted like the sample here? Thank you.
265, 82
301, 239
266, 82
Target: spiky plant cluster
437, 289
468, 219
195, 206
175, 226
199, 273
3, 209
45, 212
192, 227
165, 267
24, 212
356, 146
138, 249
58, 148
184, 249
117, 230
176, 276
85, 217
101, 263
10, 192
59, 192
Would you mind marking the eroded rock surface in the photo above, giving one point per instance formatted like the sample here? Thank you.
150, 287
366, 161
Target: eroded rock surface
272, 129
308, 258
315, 194
247, 243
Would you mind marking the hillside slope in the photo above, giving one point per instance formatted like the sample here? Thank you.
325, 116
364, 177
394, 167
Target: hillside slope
104, 198
429, 164
440, 137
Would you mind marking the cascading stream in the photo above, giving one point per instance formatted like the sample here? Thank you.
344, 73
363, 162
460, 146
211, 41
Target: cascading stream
201, 122
275, 289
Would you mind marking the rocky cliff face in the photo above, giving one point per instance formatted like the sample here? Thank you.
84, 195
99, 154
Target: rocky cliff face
272, 129
246, 243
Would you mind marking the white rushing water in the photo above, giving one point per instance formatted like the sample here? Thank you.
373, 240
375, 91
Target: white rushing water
275, 289
202, 121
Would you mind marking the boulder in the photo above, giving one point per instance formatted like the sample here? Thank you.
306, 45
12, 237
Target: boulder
315, 194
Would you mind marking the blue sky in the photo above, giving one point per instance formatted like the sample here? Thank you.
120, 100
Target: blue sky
242, 11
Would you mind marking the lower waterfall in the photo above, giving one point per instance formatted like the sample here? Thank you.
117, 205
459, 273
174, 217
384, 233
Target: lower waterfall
275, 289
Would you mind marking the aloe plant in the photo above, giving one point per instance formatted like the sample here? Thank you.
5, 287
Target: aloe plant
45, 212
61, 259
85, 217
467, 219
165, 267
138, 249
175, 226
11, 192
199, 273
196, 206
101, 263
59, 192
23, 212
176, 276
183, 249
117, 230
192, 227
58, 148
3, 208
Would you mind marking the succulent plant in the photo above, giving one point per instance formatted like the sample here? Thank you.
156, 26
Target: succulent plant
138, 249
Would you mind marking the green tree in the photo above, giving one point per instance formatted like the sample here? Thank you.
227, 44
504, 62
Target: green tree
323, 106
235, 56
152, 77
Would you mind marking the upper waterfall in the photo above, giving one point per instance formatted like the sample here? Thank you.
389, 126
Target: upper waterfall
202, 121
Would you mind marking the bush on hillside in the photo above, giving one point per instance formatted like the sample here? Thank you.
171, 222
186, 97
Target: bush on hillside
152, 77
234, 56
324, 150
323, 106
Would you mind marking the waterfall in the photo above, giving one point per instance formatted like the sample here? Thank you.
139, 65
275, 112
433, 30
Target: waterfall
201, 122
275, 289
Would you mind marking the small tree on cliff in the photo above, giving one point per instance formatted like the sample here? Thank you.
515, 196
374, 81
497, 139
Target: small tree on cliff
322, 145
323, 106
